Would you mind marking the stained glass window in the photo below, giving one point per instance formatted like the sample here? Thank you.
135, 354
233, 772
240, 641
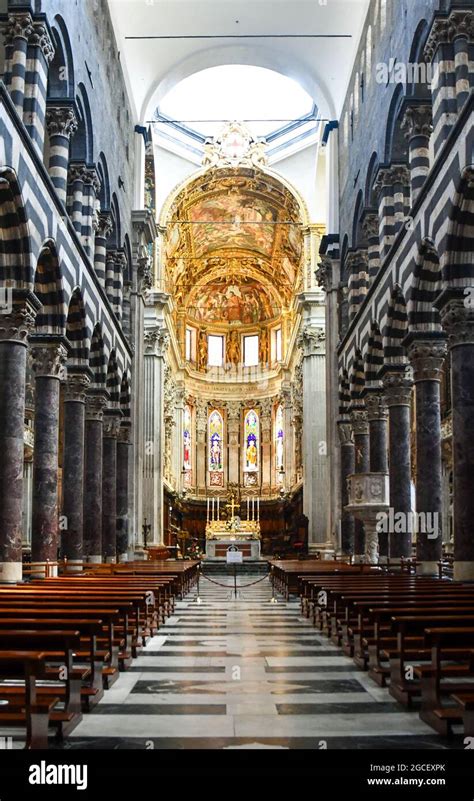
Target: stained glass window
216, 431
187, 439
279, 437
251, 441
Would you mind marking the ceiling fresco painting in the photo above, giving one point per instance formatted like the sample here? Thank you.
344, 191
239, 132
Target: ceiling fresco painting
231, 302
233, 221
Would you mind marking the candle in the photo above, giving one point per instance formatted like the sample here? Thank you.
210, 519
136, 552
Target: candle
248, 508
258, 509
212, 513
207, 511
218, 508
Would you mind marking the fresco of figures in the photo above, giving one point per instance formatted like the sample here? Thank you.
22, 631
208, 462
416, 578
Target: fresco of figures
232, 221
226, 301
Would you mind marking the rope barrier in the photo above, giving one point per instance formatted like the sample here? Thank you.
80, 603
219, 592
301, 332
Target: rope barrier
230, 586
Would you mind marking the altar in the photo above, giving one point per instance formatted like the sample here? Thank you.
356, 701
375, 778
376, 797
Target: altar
233, 531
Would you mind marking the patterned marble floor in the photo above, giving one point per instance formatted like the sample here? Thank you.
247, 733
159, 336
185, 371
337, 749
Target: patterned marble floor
245, 673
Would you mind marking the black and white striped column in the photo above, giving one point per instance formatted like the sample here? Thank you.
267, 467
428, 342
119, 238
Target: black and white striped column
417, 125
120, 265
110, 274
17, 29
358, 269
439, 54
89, 198
77, 177
401, 195
393, 188
461, 60
61, 123
40, 53
370, 227
104, 227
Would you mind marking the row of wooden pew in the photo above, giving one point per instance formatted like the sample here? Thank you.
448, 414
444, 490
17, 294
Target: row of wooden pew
411, 633
63, 641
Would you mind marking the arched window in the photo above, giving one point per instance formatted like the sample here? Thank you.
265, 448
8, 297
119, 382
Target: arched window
216, 433
252, 438
279, 439
368, 54
356, 97
187, 441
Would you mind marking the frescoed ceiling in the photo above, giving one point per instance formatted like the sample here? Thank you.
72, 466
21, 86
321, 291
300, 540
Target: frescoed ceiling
234, 247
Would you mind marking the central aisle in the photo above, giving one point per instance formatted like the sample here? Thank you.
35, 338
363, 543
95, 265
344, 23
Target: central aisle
246, 673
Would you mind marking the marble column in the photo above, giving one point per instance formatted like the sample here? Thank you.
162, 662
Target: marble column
201, 458
48, 363
397, 390
104, 227
417, 126
123, 505
111, 424
17, 30
377, 416
40, 53
61, 124
347, 468
156, 345
76, 179
360, 428
357, 265
370, 227
14, 329
93, 466
315, 501
73, 466
427, 358
89, 212
234, 417
458, 322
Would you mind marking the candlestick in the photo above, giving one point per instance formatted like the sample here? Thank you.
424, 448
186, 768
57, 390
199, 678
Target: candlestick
258, 510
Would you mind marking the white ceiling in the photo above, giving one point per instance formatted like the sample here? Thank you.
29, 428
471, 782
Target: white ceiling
154, 66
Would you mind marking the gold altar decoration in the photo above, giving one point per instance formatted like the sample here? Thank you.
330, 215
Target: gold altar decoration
233, 529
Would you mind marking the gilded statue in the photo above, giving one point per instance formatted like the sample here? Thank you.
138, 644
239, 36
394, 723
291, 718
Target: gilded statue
202, 350
233, 348
263, 346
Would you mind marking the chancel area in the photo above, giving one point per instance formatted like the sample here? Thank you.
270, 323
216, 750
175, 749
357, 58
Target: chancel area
236, 375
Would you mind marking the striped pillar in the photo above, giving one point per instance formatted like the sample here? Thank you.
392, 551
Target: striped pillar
77, 177
104, 227
401, 195
461, 68
384, 189
439, 54
126, 308
16, 30
39, 54
357, 265
120, 265
89, 197
110, 274
61, 123
370, 227
417, 126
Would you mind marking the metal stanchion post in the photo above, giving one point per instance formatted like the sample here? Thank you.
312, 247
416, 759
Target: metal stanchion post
198, 599
273, 599
235, 581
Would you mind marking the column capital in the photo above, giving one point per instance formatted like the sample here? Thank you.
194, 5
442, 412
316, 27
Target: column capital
18, 320
104, 224
344, 429
457, 318
376, 406
359, 421
77, 172
370, 225
91, 177
95, 405
112, 421
144, 273
48, 357
40, 37
312, 340
61, 120
459, 23
76, 385
124, 434
397, 388
417, 121
157, 341
17, 26
427, 358
389, 176
323, 273
357, 258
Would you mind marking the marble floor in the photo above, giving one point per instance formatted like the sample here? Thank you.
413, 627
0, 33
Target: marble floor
246, 673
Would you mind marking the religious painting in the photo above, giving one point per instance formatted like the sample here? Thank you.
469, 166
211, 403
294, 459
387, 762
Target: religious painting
224, 300
279, 438
233, 221
216, 433
172, 240
187, 439
289, 270
295, 240
251, 441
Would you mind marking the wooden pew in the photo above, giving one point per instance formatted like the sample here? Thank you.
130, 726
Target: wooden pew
28, 713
